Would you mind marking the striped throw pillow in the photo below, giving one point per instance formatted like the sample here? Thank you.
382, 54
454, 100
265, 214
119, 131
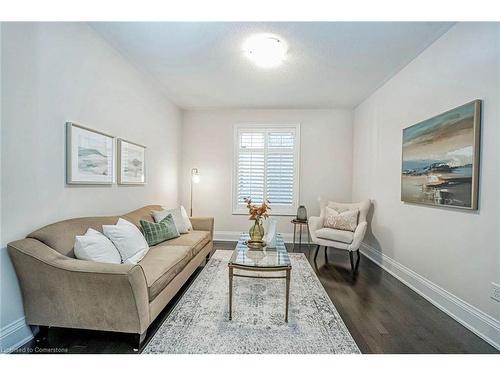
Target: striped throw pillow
159, 232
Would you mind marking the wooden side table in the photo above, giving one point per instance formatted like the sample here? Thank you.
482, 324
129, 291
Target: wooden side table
301, 223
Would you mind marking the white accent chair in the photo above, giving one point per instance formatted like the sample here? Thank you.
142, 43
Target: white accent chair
340, 239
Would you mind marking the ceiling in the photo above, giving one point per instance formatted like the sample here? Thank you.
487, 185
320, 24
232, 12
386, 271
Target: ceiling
329, 64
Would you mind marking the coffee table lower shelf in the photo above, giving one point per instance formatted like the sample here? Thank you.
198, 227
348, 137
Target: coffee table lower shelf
286, 269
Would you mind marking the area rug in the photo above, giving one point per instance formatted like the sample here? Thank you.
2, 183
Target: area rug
199, 322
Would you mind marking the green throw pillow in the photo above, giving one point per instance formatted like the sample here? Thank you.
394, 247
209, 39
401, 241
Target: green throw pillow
159, 232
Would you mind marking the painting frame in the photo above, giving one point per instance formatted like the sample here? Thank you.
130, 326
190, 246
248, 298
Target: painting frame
73, 177
476, 105
122, 179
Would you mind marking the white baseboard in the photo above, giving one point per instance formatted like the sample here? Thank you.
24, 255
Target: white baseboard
14, 335
235, 236
482, 324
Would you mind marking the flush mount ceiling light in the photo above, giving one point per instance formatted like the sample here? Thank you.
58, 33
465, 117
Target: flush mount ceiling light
265, 50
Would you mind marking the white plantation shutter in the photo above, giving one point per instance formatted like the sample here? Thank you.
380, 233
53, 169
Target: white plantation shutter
266, 167
251, 176
279, 175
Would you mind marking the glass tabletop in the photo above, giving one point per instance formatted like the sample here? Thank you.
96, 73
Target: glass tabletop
267, 257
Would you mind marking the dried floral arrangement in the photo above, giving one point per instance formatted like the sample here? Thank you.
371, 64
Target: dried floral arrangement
257, 212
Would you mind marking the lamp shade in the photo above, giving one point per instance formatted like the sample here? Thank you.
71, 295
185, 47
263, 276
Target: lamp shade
195, 175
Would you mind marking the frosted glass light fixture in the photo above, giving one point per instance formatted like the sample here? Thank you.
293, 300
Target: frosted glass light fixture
265, 50
195, 175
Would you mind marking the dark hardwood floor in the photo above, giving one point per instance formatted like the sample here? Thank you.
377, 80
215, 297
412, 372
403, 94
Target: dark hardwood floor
382, 314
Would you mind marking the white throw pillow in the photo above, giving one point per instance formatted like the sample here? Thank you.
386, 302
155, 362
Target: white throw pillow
186, 218
128, 239
346, 220
96, 247
181, 220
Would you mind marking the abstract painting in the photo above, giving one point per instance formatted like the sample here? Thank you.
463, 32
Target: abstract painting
89, 156
131, 163
440, 162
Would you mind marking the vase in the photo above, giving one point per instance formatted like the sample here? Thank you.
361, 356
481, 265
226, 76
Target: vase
256, 232
301, 213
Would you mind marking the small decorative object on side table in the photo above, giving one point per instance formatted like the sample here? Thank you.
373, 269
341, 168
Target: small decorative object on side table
302, 213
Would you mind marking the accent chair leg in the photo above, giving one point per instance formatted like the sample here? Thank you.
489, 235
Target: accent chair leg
351, 258
316, 254
354, 267
326, 254
357, 261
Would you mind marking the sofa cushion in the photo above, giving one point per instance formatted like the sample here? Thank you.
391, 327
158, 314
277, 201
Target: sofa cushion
196, 239
164, 261
335, 235
161, 264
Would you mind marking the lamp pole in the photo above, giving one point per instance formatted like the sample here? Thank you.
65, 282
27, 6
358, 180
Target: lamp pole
191, 204
195, 178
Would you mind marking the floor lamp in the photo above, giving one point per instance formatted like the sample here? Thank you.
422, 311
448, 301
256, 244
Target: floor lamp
195, 178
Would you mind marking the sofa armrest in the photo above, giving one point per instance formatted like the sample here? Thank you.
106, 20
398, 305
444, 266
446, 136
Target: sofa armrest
203, 223
359, 234
67, 292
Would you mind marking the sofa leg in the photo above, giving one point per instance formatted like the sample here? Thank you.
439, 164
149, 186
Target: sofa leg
43, 332
140, 337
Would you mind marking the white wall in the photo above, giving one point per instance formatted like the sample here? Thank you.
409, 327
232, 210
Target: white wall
325, 160
53, 73
456, 251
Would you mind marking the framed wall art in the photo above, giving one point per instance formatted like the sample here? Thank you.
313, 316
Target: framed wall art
131, 163
89, 156
440, 159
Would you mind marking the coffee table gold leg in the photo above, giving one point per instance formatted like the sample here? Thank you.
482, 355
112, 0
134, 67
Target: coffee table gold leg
230, 293
287, 293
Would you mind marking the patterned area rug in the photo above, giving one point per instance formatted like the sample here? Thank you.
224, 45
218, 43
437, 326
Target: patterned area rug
199, 322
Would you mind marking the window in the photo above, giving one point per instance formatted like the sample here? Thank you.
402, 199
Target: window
266, 167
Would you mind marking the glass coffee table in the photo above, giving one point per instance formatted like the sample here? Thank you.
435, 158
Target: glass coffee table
268, 263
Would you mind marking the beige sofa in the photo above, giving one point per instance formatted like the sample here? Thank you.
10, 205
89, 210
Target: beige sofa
62, 291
